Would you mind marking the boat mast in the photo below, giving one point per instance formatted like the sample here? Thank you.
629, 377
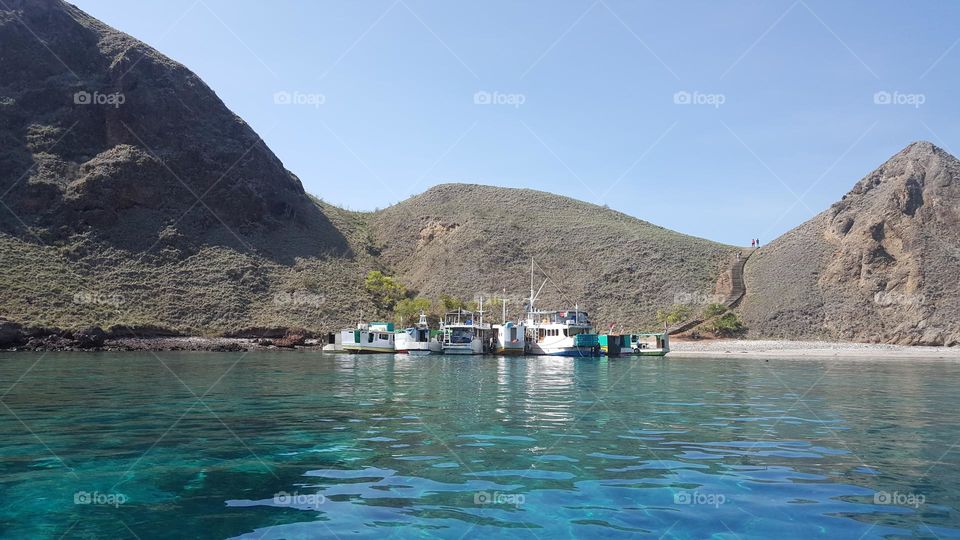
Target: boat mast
503, 301
481, 310
530, 307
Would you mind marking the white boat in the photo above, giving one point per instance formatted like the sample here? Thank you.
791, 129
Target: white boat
460, 333
650, 344
561, 333
510, 338
558, 333
375, 337
415, 340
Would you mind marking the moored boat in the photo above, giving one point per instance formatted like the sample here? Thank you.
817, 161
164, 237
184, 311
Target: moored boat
367, 338
561, 333
460, 333
415, 340
649, 344
614, 344
558, 333
510, 338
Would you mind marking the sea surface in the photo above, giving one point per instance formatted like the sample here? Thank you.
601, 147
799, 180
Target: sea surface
310, 445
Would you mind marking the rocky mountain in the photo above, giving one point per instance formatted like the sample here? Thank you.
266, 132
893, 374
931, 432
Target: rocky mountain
131, 195
881, 265
133, 198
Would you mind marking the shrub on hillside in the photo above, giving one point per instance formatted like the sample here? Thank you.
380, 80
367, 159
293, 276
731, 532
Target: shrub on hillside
726, 325
407, 311
712, 310
384, 291
675, 315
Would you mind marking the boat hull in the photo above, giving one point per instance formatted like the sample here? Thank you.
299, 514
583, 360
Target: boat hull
367, 350
564, 351
460, 350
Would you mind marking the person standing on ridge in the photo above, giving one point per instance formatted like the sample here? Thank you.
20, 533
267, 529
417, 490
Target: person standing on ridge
753, 243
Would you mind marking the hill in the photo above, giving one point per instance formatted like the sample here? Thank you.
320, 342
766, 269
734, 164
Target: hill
467, 239
878, 266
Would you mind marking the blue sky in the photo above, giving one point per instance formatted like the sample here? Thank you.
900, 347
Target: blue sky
725, 120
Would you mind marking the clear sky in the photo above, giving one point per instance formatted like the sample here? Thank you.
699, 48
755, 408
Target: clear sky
725, 120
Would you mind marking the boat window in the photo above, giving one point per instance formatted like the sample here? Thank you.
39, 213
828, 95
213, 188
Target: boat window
370, 337
513, 334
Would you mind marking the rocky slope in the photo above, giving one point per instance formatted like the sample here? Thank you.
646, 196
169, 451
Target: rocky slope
881, 265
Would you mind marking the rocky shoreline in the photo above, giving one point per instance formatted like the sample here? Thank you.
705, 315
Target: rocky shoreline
14, 337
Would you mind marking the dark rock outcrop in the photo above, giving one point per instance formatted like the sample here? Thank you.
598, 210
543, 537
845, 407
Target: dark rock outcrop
104, 136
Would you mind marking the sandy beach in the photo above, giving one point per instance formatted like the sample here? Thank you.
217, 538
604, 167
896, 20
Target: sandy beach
803, 349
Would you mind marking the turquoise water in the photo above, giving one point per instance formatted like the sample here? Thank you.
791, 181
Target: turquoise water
303, 445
